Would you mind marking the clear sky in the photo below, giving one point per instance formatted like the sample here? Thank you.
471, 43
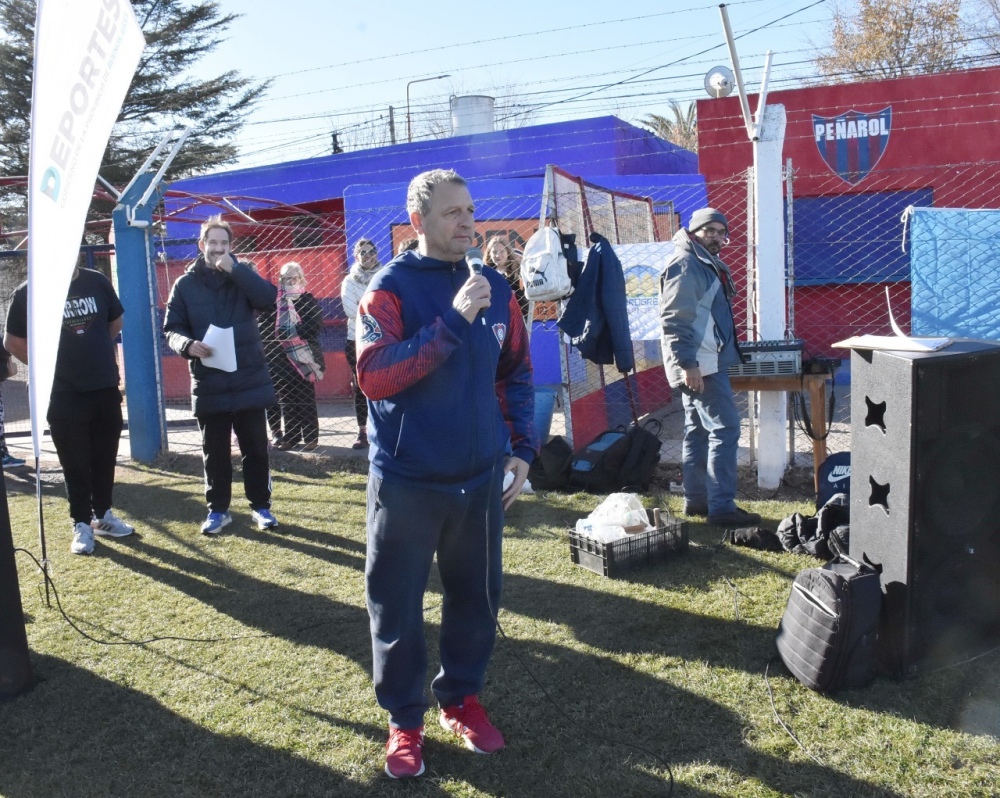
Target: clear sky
339, 66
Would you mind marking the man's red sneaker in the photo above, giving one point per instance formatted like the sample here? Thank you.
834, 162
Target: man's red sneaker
469, 721
404, 757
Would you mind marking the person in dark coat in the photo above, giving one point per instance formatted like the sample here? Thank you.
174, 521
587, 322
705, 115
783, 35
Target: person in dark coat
295, 359
219, 291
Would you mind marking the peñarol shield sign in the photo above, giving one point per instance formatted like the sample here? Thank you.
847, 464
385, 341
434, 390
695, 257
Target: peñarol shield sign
852, 143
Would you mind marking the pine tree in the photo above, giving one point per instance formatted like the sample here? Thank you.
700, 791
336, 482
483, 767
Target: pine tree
178, 34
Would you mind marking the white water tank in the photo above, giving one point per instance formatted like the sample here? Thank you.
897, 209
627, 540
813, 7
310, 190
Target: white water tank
472, 113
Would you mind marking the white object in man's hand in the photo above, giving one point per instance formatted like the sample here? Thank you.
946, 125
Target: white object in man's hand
519, 469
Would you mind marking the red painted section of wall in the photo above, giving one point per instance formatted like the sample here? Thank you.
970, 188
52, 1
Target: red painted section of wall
820, 318
938, 121
652, 389
944, 136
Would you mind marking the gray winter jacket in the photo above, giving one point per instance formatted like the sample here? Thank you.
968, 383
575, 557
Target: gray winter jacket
203, 296
695, 316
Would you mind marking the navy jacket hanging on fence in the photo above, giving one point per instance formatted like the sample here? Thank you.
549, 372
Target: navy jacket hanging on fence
596, 315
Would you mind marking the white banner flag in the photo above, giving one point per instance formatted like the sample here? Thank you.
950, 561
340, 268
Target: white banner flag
86, 52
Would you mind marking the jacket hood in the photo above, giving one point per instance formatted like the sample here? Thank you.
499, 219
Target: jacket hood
685, 242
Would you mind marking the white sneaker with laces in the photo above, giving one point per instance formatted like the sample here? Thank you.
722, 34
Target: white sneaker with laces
264, 519
83, 539
112, 526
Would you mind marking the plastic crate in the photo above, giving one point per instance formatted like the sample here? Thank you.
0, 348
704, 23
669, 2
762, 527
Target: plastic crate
632, 551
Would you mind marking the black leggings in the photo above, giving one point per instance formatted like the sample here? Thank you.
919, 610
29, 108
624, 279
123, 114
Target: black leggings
86, 427
296, 407
360, 402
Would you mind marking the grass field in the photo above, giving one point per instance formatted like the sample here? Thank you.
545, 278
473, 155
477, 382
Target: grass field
261, 685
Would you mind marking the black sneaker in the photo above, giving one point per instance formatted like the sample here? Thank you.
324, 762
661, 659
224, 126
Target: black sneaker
738, 517
695, 509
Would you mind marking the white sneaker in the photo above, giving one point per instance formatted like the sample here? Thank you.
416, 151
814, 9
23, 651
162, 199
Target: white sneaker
83, 539
112, 526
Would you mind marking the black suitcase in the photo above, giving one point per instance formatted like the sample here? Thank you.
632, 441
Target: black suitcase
597, 467
617, 459
828, 634
643, 455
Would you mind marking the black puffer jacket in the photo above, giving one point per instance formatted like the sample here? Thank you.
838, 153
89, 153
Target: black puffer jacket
204, 296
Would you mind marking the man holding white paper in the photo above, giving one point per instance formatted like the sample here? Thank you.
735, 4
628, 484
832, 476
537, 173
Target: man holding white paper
230, 383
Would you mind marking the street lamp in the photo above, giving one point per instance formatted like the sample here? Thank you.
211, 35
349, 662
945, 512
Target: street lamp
409, 132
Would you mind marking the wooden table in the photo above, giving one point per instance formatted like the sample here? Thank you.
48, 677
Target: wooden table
815, 386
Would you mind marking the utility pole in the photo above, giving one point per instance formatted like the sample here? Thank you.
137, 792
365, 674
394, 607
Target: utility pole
392, 126
766, 132
409, 127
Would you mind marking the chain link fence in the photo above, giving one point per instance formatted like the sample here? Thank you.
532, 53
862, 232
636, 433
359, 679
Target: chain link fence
843, 251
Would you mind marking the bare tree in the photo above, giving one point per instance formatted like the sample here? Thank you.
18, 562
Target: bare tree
893, 38
681, 129
984, 18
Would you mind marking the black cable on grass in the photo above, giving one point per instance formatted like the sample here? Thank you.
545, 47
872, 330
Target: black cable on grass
50, 583
727, 537
777, 717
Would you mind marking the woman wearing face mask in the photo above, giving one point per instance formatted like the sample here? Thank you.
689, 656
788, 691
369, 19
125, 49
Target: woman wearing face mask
366, 263
295, 357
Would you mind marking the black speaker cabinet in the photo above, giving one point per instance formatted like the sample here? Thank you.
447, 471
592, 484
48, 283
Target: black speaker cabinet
925, 497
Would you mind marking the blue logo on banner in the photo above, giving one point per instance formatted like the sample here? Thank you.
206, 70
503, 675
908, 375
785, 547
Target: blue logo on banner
853, 143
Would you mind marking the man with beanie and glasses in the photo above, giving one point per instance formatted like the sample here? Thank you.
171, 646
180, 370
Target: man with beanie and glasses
699, 345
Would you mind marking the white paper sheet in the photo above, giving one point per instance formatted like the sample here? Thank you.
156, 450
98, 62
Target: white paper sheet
223, 355
898, 342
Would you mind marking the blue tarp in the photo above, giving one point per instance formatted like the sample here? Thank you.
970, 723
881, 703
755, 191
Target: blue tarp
853, 238
953, 272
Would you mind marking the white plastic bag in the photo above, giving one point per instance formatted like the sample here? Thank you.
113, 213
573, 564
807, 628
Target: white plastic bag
620, 509
612, 517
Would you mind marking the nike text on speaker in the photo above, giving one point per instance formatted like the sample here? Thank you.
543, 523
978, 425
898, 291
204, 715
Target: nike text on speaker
925, 497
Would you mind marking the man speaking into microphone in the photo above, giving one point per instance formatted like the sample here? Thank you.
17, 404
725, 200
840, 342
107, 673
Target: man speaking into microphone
443, 359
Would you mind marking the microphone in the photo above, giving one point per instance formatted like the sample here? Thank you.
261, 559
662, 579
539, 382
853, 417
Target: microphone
474, 257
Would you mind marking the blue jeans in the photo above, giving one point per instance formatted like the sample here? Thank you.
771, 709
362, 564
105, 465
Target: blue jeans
711, 444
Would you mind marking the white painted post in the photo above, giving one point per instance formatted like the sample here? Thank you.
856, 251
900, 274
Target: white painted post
770, 251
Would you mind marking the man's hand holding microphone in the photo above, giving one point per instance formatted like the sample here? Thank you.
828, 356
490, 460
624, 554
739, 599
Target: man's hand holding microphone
474, 295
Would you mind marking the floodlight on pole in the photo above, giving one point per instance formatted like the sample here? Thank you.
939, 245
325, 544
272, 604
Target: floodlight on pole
409, 131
